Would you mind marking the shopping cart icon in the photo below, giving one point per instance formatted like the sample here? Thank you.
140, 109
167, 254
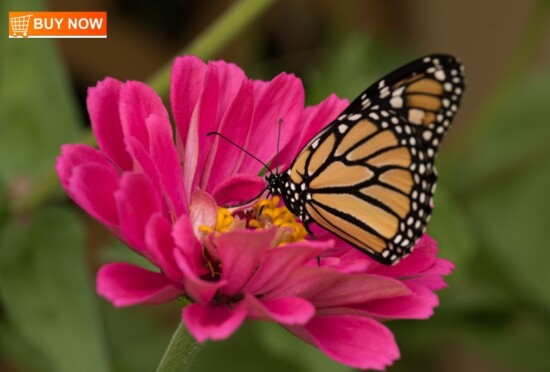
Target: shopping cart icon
20, 25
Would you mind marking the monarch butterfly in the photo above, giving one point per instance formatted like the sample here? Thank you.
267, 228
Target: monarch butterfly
369, 176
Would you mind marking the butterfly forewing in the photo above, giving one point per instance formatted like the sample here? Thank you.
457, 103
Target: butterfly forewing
369, 176
425, 93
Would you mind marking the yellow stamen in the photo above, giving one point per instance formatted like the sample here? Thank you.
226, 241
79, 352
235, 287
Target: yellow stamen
224, 222
268, 213
205, 229
265, 213
209, 264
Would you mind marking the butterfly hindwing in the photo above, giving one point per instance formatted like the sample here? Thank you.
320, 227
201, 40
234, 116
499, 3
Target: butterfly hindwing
369, 176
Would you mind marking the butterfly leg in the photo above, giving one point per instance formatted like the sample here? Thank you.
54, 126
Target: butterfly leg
311, 235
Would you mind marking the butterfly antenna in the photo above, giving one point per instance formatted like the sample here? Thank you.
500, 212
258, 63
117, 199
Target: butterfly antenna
250, 200
278, 143
240, 148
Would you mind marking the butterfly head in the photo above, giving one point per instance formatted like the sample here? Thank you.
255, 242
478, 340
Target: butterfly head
292, 194
275, 183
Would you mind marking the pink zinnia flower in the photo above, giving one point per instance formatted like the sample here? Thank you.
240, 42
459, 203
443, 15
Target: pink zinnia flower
161, 194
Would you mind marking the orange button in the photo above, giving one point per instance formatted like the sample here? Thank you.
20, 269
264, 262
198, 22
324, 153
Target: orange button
58, 24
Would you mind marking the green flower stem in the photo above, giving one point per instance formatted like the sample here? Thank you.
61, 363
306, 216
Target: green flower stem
180, 352
205, 46
213, 39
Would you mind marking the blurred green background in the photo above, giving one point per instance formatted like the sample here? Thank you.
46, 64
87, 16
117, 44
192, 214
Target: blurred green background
493, 209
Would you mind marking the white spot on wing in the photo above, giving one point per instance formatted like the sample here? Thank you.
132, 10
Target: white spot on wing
416, 116
396, 102
374, 115
440, 75
397, 92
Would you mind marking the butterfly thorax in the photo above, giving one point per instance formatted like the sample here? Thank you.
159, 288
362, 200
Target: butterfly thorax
294, 200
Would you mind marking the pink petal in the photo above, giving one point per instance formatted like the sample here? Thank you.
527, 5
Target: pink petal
356, 341
160, 246
143, 162
186, 85
163, 153
238, 188
231, 78
103, 107
200, 290
137, 200
190, 247
281, 98
203, 121
329, 288
240, 252
225, 158
92, 185
314, 119
137, 102
279, 263
160, 164
419, 304
355, 288
432, 278
432, 282
212, 322
441, 266
422, 257
291, 310
203, 211
124, 285
75, 155
345, 266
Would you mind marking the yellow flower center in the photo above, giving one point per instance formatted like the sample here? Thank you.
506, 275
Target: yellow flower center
267, 213
223, 224
264, 214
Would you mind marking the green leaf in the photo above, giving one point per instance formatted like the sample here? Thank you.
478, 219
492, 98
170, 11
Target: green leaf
46, 290
452, 230
516, 139
139, 335
15, 350
38, 111
513, 221
520, 343
504, 183
117, 251
351, 65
